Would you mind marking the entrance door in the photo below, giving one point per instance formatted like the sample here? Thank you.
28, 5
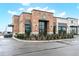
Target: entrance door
43, 26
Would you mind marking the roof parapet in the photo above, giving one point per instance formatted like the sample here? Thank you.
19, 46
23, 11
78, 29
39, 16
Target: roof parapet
42, 11
26, 13
67, 18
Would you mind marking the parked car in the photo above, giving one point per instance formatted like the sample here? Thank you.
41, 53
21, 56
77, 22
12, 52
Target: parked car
1, 36
8, 35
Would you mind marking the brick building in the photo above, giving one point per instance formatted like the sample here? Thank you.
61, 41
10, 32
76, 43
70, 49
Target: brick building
35, 22
15, 20
39, 21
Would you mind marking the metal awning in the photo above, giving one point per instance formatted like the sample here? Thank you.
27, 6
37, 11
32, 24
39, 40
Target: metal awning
43, 20
10, 25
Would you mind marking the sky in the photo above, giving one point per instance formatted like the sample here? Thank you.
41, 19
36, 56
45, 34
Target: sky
7, 10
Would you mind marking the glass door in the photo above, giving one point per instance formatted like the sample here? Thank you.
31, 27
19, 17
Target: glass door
42, 26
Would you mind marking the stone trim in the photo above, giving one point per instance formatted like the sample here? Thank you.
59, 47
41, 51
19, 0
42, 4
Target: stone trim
35, 33
49, 32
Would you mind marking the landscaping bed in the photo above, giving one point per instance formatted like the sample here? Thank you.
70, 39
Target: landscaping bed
43, 36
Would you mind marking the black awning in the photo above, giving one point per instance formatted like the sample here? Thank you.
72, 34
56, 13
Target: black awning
43, 20
10, 25
74, 26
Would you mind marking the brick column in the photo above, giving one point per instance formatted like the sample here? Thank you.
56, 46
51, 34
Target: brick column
15, 22
35, 22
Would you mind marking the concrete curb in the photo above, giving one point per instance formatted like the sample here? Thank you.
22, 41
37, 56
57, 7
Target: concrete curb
39, 41
31, 40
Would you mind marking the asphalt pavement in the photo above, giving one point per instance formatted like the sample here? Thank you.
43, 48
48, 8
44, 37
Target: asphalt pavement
11, 47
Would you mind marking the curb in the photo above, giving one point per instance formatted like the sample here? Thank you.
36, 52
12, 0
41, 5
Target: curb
31, 40
38, 41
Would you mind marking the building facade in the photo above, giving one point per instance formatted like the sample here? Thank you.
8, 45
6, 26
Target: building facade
35, 22
15, 22
73, 25
43, 22
67, 25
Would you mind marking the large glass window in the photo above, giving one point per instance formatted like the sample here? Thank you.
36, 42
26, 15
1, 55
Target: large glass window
74, 29
42, 26
54, 29
62, 28
28, 26
71, 21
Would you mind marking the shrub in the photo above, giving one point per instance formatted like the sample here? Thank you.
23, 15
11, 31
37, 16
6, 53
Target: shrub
42, 36
20, 36
32, 37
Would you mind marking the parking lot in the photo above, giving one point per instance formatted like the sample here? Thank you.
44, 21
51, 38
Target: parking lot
11, 47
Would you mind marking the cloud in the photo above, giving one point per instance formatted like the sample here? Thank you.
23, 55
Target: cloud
21, 9
26, 4
52, 11
62, 14
39, 8
12, 12
18, 11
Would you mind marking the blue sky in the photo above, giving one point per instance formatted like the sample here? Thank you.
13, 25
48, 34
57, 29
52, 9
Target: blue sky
7, 10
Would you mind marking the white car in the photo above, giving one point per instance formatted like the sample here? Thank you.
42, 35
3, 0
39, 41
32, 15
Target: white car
1, 36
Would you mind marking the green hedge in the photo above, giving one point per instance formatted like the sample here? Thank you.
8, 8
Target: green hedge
44, 37
20, 36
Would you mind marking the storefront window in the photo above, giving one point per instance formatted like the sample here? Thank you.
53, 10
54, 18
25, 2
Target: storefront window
43, 26
74, 29
28, 26
71, 21
62, 28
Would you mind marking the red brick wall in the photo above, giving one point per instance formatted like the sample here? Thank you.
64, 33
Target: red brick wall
19, 22
36, 15
22, 20
16, 24
34, 20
